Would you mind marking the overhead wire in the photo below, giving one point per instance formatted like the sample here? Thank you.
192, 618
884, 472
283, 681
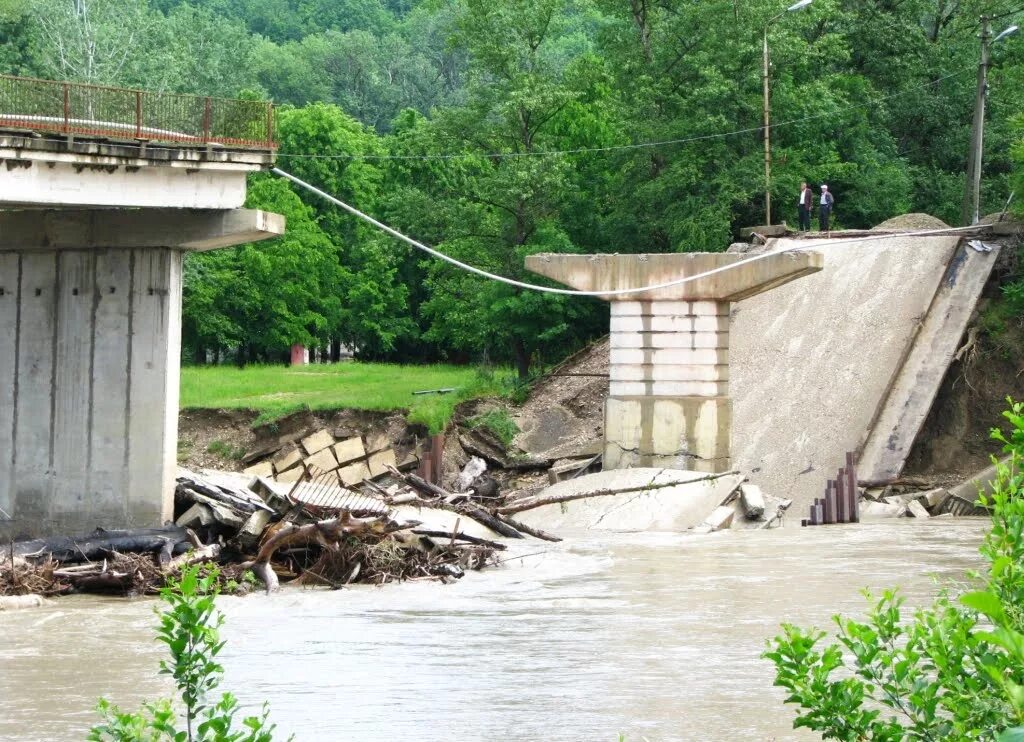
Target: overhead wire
633, 146
600, 294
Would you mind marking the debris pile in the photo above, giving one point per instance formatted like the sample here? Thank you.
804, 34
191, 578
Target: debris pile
315, 532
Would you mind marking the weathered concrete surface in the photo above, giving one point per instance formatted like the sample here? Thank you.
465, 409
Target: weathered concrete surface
613, 272
914, 388
83, 229
815, 359
50, 171
89, 364
668, 402
674, 508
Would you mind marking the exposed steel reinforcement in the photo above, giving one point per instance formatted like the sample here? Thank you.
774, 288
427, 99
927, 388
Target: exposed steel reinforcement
72, 108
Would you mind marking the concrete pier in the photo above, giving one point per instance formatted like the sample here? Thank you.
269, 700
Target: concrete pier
668, 403
90, 322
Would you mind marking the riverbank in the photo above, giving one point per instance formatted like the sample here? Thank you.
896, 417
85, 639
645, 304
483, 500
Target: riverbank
647, 634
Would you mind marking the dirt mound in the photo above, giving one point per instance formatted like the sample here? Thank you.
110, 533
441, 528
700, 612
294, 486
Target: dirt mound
912, 221
564, 415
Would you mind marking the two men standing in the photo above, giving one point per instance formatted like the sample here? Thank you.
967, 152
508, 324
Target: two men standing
805, 205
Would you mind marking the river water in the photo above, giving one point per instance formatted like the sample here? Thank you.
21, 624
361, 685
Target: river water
652, 635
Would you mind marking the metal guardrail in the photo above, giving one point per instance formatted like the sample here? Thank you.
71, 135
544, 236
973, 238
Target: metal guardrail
100, 111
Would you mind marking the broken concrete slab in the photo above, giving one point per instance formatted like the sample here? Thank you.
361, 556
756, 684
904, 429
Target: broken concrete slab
378, 462
249, 534
377, 441
286, 458
353, 474
262, 469
765, 230
752, 500
349, 450
324, 460
317, 442
291, 475
684, 503
197, 516
933, 499
918, 510
870, 510
720, 518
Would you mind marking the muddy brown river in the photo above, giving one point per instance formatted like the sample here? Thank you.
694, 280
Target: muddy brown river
651, 635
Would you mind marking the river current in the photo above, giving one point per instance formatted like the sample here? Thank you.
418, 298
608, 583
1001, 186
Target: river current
655, 636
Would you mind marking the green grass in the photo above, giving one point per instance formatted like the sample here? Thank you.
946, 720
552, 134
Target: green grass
499, 422
275, 391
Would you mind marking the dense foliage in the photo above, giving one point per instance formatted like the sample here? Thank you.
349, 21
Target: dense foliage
953, 671
872, 96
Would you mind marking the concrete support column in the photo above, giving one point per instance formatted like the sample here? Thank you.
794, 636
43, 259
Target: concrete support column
668, 402
88, 424
90, 341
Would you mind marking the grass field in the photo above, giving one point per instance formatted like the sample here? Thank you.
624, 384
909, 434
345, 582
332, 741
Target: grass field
275, 391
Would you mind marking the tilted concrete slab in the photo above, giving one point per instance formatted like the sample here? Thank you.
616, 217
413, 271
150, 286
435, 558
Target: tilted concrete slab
812, 362
88, 229
616, 272
909, 400
671, 508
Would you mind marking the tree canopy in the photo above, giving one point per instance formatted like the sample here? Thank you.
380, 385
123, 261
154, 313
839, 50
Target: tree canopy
498, 130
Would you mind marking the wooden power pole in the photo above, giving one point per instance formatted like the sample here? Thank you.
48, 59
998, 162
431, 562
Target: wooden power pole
972, 190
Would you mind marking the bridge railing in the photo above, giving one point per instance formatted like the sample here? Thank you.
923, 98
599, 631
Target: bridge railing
121, 113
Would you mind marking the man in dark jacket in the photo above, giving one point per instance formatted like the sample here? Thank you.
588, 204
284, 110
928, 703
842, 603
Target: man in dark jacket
804, 206
825, 209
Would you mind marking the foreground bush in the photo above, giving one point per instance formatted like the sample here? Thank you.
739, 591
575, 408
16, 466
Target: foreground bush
953, 671
189, 627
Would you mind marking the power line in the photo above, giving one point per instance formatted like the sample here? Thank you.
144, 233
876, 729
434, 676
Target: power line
624, 147
572, 292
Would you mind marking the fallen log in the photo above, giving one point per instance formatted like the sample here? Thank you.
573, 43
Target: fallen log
100, 543
325, 533
468, 509
521, 506
459, 536
529, 530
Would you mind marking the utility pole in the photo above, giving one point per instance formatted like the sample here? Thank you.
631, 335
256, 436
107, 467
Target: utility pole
767, 137
800, 5
972, 191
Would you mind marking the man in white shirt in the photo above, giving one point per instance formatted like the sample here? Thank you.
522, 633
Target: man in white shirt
804, 206
825, 208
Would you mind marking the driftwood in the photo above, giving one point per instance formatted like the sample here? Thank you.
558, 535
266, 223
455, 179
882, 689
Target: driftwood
468, 509
459, 536
101, 543
521, 506
529, 530
325, 533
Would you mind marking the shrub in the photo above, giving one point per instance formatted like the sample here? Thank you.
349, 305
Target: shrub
953, 671
189, 627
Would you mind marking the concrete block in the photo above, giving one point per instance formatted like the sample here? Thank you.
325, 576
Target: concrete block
353, 474
349, 450
720, 518
291, 475
262, 469
667, 372
317, 442
286, 458
377, 441
752, 500
196, 516
933, 499
377, 461
693, 308
870, 509
918, 510
324, 460
250, 533
693, 340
